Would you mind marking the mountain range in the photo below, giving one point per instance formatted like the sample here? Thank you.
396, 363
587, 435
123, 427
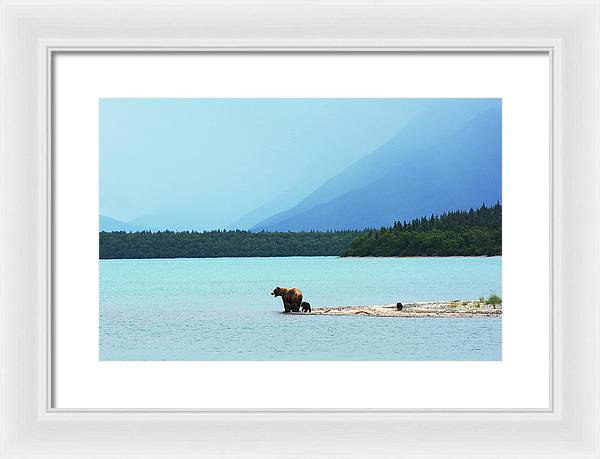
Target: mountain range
443, 160
112, 224
437, 163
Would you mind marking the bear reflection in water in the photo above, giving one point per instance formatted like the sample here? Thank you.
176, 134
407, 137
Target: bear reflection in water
292, 298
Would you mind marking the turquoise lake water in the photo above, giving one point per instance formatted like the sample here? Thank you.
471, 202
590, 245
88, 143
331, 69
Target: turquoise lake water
221, 309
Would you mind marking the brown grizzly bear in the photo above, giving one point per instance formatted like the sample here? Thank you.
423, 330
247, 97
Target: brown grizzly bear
292, 298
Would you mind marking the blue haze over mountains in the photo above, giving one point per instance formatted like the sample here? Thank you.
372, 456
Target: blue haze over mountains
440, 162
447, 156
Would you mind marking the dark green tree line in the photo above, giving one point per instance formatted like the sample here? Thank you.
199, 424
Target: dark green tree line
211, 244
460, 233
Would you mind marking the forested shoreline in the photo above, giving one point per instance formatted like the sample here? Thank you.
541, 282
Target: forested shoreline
215, 244
460, 233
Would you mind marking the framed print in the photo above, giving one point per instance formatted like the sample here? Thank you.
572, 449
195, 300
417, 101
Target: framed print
327, 228
197, 193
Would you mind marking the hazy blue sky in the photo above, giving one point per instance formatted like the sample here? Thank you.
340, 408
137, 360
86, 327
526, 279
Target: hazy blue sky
204, 163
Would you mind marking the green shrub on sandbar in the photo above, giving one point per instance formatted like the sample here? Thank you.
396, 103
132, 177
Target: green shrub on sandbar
493, 299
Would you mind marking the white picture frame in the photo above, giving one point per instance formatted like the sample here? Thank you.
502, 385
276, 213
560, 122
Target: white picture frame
32, 31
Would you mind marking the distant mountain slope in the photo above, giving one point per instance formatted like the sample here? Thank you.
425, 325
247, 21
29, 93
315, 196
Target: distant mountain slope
440, 162
285, 200
112, 224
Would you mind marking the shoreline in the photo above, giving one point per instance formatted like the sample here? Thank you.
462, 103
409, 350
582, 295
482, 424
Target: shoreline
457, 308
417, 257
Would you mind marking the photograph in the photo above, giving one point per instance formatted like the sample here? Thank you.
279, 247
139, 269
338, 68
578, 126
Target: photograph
300, 229
277, 230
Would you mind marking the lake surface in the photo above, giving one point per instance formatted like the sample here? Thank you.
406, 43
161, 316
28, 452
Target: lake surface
221, 309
